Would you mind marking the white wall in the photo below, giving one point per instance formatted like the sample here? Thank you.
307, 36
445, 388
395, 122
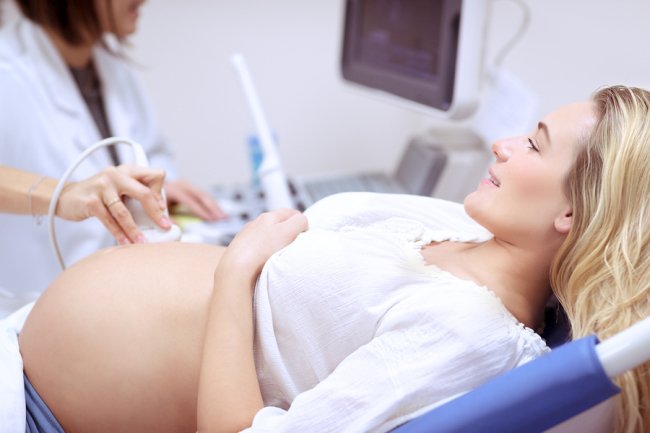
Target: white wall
571, 48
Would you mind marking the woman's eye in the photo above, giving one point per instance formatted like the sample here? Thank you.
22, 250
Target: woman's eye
532, 145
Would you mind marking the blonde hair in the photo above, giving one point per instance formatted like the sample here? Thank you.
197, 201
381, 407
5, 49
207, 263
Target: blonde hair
601, 274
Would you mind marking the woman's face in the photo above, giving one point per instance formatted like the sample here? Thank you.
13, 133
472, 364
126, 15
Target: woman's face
523, 196
119, 16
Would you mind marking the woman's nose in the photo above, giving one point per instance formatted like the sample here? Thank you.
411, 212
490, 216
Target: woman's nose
502, 149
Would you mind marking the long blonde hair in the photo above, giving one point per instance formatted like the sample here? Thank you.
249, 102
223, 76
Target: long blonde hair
601, 274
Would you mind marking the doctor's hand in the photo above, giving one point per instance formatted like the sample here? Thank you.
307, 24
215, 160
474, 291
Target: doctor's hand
200, 203
101, 196
261, 238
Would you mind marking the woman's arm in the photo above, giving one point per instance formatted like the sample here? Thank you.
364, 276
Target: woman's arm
229, 394
22, 192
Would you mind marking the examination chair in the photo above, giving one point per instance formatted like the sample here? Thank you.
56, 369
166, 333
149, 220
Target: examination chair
573, 378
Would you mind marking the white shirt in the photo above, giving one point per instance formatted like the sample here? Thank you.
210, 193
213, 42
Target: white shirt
354, 332
44, 126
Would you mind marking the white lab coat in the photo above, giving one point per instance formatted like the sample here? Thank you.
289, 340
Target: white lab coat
44, 126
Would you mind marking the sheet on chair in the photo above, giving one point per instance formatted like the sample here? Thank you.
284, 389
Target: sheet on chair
12, 391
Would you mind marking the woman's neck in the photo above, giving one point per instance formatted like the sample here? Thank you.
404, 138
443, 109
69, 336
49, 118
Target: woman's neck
518, 276
75, 56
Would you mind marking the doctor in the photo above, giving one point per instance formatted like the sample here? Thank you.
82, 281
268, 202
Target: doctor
63, 87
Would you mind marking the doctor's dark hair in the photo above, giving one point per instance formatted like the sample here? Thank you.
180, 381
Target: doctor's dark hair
74, 20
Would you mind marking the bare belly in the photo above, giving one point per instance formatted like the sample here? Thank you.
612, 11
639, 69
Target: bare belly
114, 344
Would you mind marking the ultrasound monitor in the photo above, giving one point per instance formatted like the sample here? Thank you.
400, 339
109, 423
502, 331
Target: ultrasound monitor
426, 52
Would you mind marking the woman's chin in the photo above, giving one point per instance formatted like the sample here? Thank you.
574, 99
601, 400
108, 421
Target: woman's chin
473, 203
470, 199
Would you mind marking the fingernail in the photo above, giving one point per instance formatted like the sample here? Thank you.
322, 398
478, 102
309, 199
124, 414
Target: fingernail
165, 222
123, 241
140, 239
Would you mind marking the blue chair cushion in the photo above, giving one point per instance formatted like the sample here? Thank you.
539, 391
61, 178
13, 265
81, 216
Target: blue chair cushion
531, 398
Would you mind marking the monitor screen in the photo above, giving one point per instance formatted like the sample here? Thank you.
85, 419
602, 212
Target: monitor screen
419, 50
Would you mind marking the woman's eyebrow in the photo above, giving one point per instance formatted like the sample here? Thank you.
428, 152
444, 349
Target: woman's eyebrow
541, 126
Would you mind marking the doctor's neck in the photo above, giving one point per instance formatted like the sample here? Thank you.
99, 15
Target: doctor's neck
74, 55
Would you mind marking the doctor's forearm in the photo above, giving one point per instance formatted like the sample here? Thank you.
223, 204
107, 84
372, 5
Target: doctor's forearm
22, 192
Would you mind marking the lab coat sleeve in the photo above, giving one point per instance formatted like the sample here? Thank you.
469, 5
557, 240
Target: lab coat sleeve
14, 117
413, 364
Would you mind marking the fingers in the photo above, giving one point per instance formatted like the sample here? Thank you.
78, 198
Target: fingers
101, 211
269, 232
199, 202
288, 224
153, 179
211, 206
122, 217
288, 217
149, 198
298, 221
128, 181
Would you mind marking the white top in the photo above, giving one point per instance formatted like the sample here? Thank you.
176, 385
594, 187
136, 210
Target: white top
354, 332
44, 126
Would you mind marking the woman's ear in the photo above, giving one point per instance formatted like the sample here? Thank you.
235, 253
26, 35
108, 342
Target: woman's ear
563, 222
